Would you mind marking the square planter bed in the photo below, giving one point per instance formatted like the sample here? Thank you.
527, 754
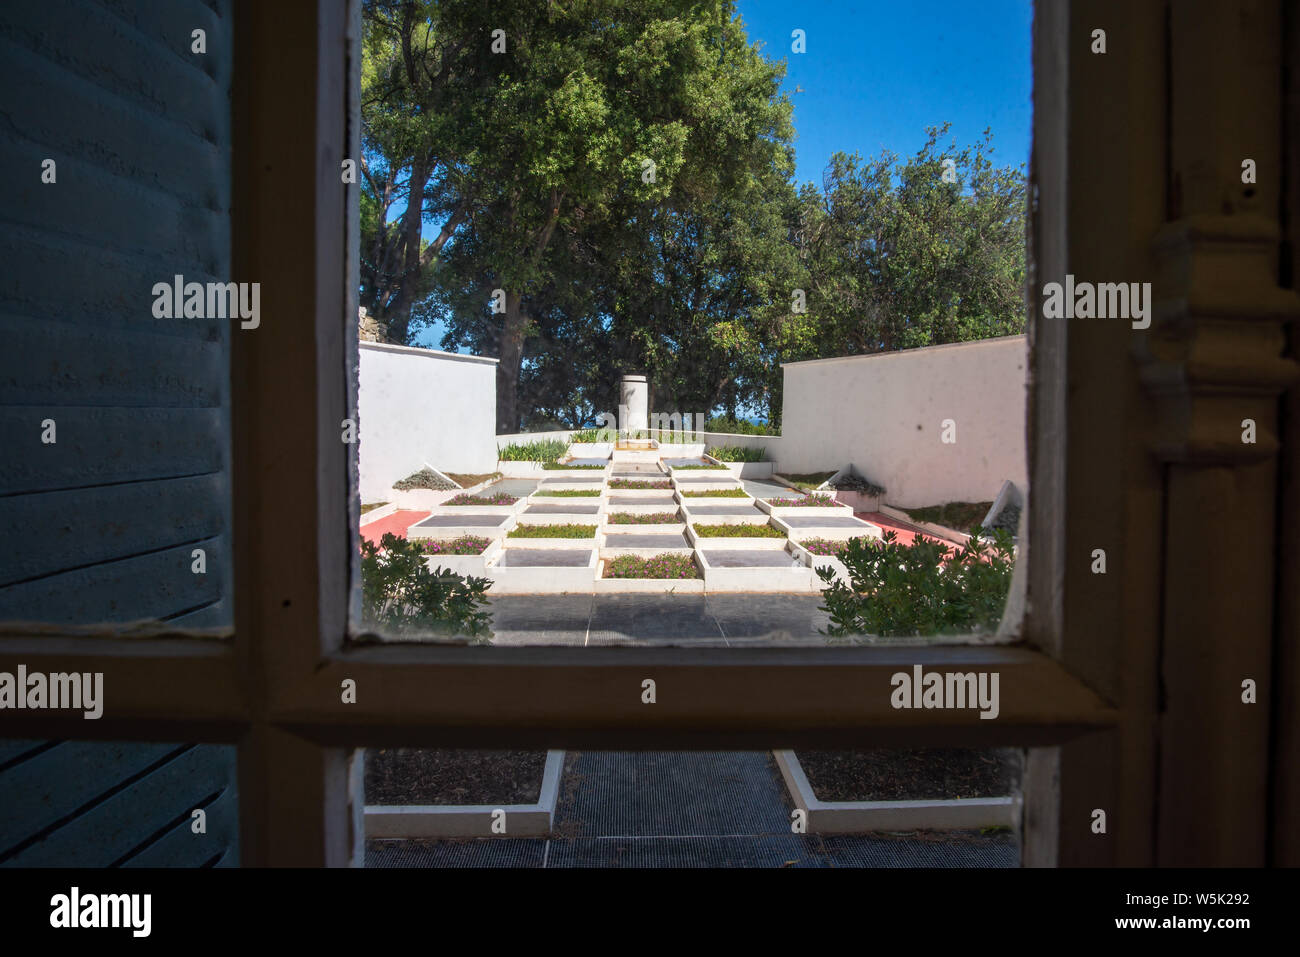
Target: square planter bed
929, 528
572, 482
678, 586
641, 506
532, 568
702, 539
461, 522
788, 505
682, 450
528, 532
644, 541
834, 527
732, 568
480, 504
375, 514
805, 549
716, 513
858, 817
560, 515
749, 470
394, 775
689, 464
475, 565
545, 496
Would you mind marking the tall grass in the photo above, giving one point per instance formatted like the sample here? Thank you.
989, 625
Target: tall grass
541, 450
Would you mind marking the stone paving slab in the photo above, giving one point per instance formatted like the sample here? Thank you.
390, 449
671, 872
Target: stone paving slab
544, 558
823, 521
747, 558
560, 508
458, 521
645, 540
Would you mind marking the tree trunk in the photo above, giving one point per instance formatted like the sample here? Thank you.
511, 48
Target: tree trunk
399, 313
511, 359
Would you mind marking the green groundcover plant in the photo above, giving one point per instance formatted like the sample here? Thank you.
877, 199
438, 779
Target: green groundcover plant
557, 466
425, 478
540, 450
737, 531
805, 501
400, 594
628, 484
807, 480
667, 565
465, 545
718, 493
690, 468
552, 531
634, 518
925, 588
498, 498
571, 493
593, 435
737, 453
824, 546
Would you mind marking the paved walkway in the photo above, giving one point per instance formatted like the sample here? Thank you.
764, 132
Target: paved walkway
689, 809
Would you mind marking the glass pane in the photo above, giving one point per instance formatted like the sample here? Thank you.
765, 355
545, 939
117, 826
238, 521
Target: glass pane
716, 340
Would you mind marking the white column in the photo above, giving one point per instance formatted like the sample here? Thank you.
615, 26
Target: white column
636, 403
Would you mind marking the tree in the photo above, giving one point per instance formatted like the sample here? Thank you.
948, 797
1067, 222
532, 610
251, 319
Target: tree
902, 255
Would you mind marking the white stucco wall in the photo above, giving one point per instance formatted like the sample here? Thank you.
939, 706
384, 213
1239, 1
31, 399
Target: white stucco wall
884, 413
417, 406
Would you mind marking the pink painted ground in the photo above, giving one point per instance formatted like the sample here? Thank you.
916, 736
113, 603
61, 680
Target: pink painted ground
397, 523
906, 533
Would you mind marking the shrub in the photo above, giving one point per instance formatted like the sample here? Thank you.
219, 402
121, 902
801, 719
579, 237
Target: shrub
856, 483
553, 466
737, 453
570, 493
401, 594
730, 426
636, 518
425, 478
806, 501
497, 498
541, 450
465, 545
718, 493
926, 588
552, 531
667, 565
737, 531
639, 484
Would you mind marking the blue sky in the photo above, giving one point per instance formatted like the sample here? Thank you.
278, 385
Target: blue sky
876, 74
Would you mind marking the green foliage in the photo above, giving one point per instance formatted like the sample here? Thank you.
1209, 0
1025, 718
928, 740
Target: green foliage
570, 493
718, 493
401, 595
738, 453
807, 480
695, 468
926, 588
962, 516
593, 435
552, 531
425, 478
642, 518
629, 484
667, 565
540, 450
567, 466
733, 426
737, 531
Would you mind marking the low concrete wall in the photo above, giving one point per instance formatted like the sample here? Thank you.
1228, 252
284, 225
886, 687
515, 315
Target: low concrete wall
418, 406
884, 413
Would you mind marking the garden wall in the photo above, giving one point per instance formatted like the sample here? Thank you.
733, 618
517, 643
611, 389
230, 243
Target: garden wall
419, 406
884, 414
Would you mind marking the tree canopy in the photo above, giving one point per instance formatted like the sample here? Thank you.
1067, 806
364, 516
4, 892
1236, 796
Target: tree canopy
609, 188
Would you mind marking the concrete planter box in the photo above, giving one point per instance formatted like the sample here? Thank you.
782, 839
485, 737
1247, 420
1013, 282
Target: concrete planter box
591, 450
834, 533
375, 514
470, 820
512, 575
422, 497
929, 528
614, 505
859, 817
668, 529
731, 544
500, 524
858, 501
475, 565
820, 561
544, 497
591, 542
616, 495
561, 518
803, 509
520, 469
652, 586
480, 509
682, 450
774, 570
754, 517
750, 470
